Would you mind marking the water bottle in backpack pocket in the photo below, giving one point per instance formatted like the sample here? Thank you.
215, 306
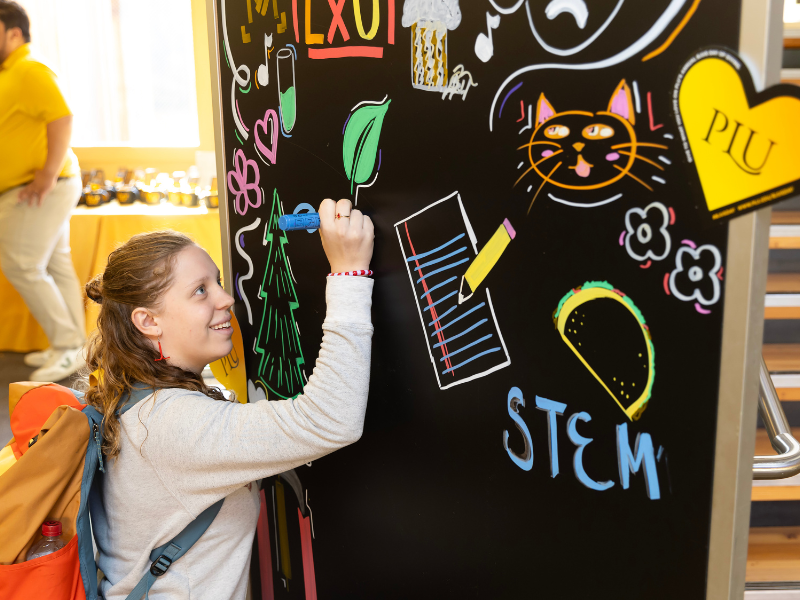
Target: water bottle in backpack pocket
51, 541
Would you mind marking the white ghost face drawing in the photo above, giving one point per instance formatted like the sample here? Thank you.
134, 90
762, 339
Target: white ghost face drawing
565, 27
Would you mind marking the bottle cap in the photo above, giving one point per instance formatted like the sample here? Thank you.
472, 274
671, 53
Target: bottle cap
51, 528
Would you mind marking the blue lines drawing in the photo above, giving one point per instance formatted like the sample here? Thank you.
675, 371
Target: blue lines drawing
464, 340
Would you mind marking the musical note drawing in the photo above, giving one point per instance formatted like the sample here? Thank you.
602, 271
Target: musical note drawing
464, 340
484, 48
262, 75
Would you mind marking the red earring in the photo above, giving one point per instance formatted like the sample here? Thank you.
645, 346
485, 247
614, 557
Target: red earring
161, 357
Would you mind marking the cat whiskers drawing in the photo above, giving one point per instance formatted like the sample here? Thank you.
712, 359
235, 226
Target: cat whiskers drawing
583, 151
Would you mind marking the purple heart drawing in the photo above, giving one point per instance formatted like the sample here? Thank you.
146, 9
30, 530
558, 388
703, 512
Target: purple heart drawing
264, 152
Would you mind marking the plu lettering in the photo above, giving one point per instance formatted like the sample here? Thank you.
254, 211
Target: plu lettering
747, 148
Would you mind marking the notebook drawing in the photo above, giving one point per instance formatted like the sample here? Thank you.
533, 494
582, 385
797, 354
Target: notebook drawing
464, 340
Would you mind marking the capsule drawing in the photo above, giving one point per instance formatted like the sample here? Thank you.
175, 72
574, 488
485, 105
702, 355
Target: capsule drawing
286, 89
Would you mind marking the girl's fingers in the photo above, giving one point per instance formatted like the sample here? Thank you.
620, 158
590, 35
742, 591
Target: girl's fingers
368, 227
327, 211
343, 209
356, 220
347, 240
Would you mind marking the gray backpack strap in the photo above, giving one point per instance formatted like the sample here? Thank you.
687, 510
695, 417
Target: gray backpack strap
164, 556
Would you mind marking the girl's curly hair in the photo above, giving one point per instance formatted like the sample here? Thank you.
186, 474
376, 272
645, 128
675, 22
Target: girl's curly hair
137, 275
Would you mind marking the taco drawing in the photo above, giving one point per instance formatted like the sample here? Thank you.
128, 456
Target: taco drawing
608, 333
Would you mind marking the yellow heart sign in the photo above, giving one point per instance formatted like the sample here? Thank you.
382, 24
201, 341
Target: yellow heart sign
745, 145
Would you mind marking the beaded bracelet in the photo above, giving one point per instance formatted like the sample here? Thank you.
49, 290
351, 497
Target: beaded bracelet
361, 273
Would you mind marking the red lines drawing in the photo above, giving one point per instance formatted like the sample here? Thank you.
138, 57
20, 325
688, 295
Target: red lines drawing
346, 51
653, 126
439, 335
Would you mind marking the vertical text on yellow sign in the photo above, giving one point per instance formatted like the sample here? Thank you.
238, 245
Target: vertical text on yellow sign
230, 370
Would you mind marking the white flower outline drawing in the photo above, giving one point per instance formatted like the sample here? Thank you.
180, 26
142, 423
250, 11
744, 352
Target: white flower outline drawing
649, 254
712, 274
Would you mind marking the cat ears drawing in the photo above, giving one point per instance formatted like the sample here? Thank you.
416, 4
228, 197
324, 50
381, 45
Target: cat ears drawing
585, 153
621, 104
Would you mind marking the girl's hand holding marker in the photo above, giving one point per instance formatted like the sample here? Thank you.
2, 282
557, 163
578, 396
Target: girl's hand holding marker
348, 236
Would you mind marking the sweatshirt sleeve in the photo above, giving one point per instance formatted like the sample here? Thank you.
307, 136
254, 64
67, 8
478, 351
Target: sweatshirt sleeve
202, 449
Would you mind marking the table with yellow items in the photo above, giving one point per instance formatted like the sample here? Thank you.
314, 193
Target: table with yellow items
94, 233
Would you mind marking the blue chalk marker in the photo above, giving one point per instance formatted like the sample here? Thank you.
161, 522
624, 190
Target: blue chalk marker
308, 220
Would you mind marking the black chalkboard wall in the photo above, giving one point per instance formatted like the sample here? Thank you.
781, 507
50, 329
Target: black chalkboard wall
502, 456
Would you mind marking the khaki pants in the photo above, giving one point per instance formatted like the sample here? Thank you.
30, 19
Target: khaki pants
35, 257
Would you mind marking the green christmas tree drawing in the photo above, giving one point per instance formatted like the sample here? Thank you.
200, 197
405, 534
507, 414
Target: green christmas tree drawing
278, 343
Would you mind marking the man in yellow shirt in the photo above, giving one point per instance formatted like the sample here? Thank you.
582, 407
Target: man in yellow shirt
39, 186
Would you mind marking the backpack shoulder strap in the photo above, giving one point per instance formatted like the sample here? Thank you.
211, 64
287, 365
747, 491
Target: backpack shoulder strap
134, 396
165, 555
93, 463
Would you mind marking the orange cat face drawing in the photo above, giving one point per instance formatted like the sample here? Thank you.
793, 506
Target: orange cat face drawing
582, 151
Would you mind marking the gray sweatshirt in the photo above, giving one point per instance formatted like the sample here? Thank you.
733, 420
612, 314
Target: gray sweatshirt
182, 451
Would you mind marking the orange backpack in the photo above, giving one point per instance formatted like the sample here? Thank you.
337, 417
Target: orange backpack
51, 474
47, 472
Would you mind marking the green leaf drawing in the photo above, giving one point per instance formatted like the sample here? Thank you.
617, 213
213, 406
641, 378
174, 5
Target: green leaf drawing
360, 145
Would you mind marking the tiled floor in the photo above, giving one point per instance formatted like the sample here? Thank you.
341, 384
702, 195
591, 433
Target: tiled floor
12, 369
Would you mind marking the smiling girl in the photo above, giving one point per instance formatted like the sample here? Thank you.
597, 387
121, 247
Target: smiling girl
163, 317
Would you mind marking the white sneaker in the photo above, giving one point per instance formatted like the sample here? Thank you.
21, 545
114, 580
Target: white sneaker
60, 365
37, 359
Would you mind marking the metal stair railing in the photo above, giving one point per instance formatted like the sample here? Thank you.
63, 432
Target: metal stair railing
787, 462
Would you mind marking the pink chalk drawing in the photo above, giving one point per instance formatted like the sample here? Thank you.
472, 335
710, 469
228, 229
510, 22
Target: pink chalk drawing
239, 183
268, 155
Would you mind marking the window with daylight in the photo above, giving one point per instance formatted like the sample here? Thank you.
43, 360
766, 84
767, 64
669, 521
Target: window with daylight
791, 11
126, 68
